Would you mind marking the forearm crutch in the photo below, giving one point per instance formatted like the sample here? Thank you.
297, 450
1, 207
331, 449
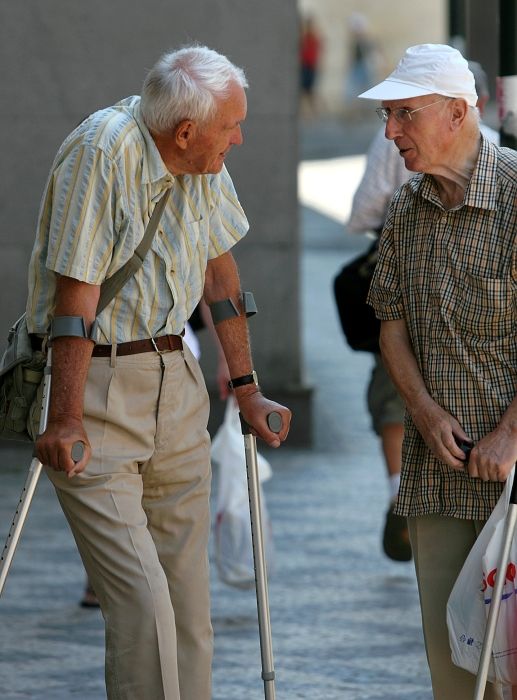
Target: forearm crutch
495, 604
274, 421
31, 482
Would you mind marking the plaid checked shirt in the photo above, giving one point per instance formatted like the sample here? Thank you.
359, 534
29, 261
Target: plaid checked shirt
452, 276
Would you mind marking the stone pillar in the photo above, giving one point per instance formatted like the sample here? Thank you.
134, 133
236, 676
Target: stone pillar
482, 38
507, 76
62, 60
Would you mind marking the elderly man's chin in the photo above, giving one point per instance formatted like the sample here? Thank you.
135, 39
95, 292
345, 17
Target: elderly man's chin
410, 161
215, 166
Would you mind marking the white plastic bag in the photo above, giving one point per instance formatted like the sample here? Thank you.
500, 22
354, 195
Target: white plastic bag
469, 602
232, 528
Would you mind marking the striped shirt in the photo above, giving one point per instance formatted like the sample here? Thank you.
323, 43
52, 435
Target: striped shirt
452, 276
104, 183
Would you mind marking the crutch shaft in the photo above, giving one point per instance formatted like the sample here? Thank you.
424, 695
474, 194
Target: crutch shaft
266, 645
274, 421
30, 485
495, 604
19, 520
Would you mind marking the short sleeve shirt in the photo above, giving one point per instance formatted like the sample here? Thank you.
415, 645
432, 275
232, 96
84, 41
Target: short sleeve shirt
452, 276
103, 186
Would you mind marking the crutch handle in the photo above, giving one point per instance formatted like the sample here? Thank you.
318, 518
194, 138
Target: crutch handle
77, 452
274, 421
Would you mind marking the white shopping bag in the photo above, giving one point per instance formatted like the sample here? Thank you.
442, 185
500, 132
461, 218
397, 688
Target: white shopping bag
469, 602
232, 528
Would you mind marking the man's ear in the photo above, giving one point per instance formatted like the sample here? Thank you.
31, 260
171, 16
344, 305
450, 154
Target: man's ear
184, 133
458, 112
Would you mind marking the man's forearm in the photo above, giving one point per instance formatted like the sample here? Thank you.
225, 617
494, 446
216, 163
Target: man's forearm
234, 338
71, 356
508, 420
400, 361
222, 282
70, 362
436, 426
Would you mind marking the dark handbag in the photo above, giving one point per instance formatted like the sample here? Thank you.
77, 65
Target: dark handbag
351, 285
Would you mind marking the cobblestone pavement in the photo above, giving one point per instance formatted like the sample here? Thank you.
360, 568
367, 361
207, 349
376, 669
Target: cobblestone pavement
345, 619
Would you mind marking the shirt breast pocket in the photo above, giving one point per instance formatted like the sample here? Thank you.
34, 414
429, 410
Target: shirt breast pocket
176, 243
486, 307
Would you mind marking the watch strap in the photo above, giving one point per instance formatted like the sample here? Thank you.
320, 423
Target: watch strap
242, 381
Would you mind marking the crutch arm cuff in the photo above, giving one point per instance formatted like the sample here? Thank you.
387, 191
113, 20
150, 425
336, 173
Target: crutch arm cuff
71, 326
226, 308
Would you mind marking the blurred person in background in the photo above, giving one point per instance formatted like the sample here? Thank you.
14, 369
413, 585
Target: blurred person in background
363, 54
310, 58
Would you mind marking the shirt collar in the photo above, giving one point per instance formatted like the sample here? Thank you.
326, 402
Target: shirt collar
481, 191
154, 169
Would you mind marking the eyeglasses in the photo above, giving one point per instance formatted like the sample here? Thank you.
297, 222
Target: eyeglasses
403, 116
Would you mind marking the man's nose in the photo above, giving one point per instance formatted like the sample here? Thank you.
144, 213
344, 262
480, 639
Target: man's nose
237, 137
392, 129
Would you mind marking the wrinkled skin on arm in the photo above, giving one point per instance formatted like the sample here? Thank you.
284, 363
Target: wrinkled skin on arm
222, 282
70, 361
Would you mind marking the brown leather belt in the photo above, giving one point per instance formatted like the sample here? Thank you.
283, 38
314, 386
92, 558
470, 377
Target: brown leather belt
163, 342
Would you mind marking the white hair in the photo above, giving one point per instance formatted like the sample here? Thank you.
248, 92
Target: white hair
186, 84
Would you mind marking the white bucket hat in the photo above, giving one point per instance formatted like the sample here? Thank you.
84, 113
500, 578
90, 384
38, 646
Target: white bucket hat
427, 69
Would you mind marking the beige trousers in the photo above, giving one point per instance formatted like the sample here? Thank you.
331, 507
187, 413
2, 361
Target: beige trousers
140, 517
440, 546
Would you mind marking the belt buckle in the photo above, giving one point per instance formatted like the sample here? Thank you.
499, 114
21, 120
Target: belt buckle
170, 344
160, 352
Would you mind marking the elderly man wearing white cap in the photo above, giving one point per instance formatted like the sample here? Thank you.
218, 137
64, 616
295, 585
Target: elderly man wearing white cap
445, 291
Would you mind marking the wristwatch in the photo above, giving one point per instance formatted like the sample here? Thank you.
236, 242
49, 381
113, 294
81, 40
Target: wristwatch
242, 381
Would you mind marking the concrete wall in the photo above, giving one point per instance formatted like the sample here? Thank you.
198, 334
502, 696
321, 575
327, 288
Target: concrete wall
61, 60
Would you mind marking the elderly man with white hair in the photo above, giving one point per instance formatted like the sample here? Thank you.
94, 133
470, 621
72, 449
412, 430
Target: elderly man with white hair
445, 291
129, 389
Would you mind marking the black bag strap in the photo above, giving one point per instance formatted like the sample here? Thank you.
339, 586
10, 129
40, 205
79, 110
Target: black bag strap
111, 286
